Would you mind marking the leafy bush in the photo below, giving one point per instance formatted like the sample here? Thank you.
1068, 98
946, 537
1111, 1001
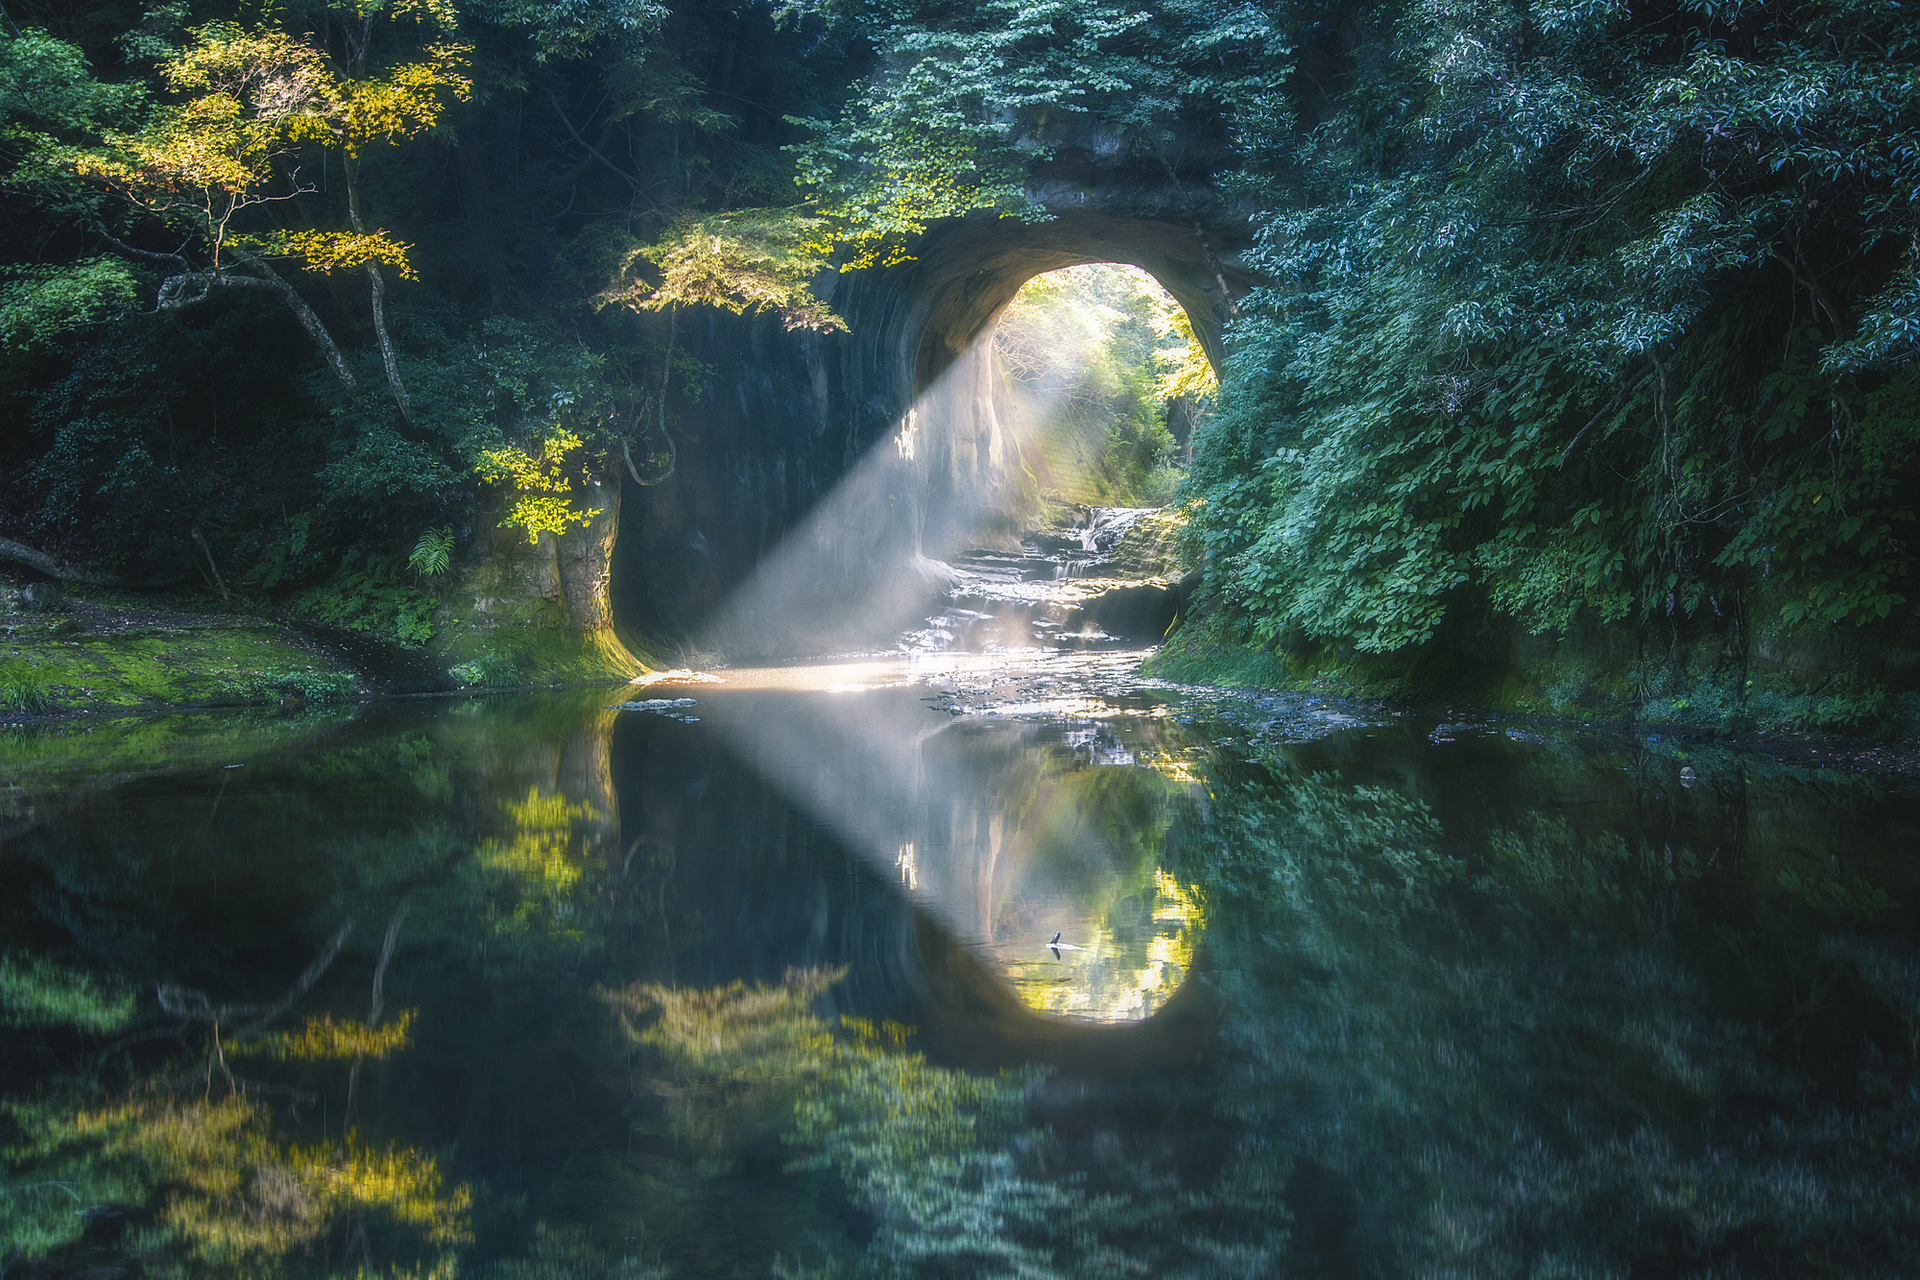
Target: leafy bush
35, 993
365, 602
1562, 324
489, 671
22, 688
268, 686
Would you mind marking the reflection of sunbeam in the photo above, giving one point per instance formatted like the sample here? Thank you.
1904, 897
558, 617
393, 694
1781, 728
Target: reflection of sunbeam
921, 802
996, 828
856, 569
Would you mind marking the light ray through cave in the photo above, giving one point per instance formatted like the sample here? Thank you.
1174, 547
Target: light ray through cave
905, 790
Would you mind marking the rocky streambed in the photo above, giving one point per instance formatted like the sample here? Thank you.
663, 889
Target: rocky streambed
1093, 578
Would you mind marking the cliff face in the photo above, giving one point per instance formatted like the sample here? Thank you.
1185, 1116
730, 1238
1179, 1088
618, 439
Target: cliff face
819, 473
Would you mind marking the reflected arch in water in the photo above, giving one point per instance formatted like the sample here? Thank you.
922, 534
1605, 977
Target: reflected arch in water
767, 835
969, 1015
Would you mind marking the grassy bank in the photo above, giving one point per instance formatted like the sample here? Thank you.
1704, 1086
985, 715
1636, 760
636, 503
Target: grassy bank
1725, 682
71, 650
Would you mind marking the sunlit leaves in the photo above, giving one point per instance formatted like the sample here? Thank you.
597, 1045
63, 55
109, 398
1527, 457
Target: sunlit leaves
1078, 346
226, 1196
734, 1034
322, 1039
1185, 369
537, 857
398, 1183
407, 100
247, 99
746, 260
539, 484
330, 251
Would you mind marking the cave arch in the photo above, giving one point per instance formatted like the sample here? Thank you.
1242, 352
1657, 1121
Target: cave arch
780, 420
967, 273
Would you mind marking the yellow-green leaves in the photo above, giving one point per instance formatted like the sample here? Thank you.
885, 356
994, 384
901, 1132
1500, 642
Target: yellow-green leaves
248, 99
541, 491
331, 251
747, 260
538, 854
408, 100
223, 1194
1186, 371
322, 1039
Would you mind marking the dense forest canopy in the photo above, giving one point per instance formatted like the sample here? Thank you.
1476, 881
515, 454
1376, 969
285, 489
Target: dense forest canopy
1571, 312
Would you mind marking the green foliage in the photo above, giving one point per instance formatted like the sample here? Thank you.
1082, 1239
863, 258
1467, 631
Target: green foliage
429, 556
268, 686
24, 688
565, 29
1573, 320
490, 671
39, 993
1080, 348
745, 260
956, 109
539, 488
367, 601
40, 304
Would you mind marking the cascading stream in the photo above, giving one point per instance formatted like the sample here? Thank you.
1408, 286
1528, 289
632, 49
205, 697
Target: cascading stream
1067, 589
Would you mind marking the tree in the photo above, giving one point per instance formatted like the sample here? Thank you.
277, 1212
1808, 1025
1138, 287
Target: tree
249, 100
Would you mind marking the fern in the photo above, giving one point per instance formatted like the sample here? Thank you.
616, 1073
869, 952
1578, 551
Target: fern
432, 552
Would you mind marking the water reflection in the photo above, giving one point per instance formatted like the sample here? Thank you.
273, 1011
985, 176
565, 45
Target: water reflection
1134, 954
1034, 842
524, 987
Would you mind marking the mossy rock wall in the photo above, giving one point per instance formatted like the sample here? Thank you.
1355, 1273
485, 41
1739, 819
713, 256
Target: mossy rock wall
1731, 674
523, 610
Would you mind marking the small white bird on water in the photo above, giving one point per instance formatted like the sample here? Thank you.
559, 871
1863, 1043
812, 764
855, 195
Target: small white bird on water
1057, 946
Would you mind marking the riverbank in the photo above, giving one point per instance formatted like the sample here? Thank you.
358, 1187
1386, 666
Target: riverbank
68, 651
1777, 685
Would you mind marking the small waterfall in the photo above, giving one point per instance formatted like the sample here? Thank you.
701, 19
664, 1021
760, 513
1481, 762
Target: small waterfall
1063, 589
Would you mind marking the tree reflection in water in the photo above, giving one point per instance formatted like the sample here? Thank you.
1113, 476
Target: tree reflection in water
1493, 1009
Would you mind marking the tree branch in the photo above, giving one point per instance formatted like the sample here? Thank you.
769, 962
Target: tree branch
189, 287
1605, 409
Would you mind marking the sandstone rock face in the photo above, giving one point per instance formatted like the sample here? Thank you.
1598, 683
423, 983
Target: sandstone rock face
851, 454
555, 580
584, 559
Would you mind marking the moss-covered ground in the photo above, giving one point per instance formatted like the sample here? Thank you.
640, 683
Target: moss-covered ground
71, 651
103, 651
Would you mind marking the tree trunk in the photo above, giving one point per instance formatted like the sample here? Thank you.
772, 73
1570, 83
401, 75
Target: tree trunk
584, 558
351, 164
41, 562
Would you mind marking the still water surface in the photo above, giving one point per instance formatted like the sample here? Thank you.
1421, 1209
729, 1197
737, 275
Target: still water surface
948, 967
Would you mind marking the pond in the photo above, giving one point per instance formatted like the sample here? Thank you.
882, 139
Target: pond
947, 965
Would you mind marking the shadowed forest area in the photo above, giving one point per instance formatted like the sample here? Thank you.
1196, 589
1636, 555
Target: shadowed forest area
1578, 348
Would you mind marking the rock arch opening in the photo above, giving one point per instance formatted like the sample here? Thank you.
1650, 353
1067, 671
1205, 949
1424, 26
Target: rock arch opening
827, 475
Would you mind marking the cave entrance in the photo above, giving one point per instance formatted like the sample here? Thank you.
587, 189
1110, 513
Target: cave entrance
1103, 380
832, 479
